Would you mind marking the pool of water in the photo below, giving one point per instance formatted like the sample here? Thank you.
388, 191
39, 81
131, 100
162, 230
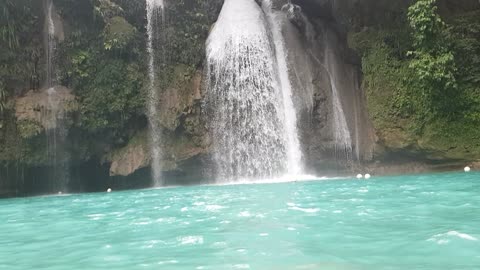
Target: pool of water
407, 222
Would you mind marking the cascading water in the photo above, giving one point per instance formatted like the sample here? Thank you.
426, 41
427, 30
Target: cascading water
343, 140
325, 63
155, 22
253, 123
294, 154
56, 132
51, 43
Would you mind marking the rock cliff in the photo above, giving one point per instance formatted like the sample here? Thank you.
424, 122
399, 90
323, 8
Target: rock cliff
351, 50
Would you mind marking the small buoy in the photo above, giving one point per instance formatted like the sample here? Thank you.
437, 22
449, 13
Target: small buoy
359, 176
367, 176
109, 190
59, 193
467, 169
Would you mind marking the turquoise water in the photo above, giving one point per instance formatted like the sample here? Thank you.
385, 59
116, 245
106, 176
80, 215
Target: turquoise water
409, 222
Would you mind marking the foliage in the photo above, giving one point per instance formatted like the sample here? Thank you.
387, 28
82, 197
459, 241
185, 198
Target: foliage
105, 9
386, 74
112, 98
426, 24
465, 35
103, 60
8, 26
428, 98
432, 58
28, 129
18, 26
118, 33
131, 10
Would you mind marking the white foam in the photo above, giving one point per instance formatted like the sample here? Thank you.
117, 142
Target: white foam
305, 210
168, 262
462, 235
199, 203
241, 266
142, 223
190, 240
278, 180
214, 208
96, 216
443, 238
245, 214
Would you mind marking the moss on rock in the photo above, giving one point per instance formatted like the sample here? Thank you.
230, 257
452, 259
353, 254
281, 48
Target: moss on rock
402, 121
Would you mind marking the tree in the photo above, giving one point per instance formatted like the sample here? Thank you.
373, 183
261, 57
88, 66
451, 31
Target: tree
432, 59
8, 27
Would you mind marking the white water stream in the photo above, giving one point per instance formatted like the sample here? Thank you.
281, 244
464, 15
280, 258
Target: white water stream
155, 22
249, 96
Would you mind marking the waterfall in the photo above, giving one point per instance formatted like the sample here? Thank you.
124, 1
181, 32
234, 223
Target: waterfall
249, 97
294, 154
343, 84
155, 22
56, 132
51, 43
343, 140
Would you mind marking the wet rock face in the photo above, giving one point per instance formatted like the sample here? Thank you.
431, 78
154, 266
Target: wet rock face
129, 160
337, 18
43, 106
321, 63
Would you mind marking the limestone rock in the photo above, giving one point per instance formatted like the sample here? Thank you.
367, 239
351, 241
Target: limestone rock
42, 107
128, 160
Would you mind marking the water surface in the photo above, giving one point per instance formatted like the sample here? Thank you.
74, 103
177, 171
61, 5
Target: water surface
409, 222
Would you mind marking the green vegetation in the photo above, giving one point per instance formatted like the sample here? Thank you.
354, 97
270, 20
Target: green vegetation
28, 129
432, 59
118, 34
19, 22
8, 23
102, 59
421, 75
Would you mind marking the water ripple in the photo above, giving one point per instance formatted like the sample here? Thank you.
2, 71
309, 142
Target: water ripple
401, 223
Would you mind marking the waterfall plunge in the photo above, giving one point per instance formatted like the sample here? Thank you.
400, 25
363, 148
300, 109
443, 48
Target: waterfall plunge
51, 42
294, 154
155, 17
54, 120
249, 96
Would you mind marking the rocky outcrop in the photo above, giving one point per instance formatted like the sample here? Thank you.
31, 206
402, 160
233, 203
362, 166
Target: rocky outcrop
385, 143
105, 60
132, 157
311, 38
39, 109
